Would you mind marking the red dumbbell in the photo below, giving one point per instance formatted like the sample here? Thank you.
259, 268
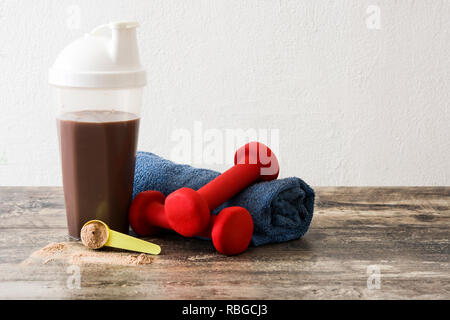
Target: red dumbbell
230, 231
187, 211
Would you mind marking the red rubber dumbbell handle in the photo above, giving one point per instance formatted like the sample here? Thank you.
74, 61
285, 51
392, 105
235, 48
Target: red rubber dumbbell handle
158, 216
247, 169
229, 183
159, 219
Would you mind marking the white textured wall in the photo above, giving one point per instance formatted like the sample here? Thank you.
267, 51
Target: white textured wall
353, 105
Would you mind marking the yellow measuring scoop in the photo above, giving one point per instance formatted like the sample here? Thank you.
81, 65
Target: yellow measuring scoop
96, 234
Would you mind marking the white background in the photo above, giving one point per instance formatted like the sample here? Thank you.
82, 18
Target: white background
357, 100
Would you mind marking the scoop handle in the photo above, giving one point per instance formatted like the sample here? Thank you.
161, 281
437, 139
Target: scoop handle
124, 241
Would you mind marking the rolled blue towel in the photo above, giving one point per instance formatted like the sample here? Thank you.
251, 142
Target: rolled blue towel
281, 209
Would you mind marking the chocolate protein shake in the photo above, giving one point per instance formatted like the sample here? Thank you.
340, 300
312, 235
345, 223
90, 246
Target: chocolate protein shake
98, 153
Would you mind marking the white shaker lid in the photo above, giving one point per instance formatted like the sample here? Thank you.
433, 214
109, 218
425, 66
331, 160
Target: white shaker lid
107, 57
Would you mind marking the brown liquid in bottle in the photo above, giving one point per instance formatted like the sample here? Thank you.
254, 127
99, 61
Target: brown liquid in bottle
98, 153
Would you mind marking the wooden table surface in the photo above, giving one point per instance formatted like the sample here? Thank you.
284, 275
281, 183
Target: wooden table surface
401, 234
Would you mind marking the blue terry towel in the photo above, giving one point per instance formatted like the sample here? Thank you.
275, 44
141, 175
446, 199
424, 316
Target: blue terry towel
281, 209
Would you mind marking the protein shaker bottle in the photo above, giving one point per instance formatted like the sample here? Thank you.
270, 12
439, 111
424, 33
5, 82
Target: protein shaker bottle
98, 80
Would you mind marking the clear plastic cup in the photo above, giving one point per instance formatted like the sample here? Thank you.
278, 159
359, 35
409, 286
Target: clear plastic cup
98, 83
98, 134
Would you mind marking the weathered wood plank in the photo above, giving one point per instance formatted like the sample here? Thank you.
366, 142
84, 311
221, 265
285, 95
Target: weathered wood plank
403, 231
